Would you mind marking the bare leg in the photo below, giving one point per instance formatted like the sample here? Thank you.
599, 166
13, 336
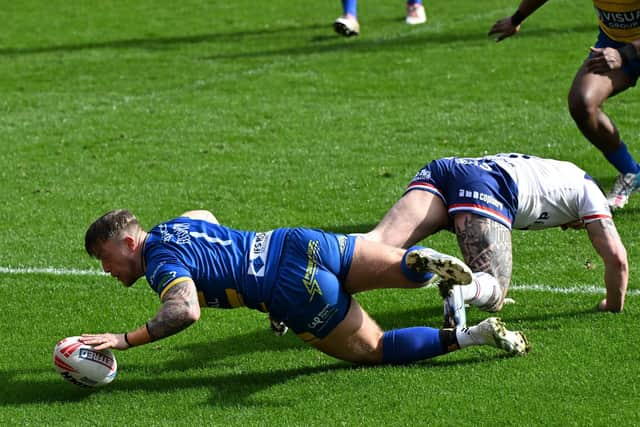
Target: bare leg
416, 215
586, 96
358, 338
486, 247
376, 266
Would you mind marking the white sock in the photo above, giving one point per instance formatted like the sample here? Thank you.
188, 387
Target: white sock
466, 337
455, 302
482, 291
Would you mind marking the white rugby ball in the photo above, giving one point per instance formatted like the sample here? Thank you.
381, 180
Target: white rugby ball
81, 365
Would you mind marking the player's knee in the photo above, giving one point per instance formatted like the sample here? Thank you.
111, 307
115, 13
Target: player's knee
367, 352
362, 347
582, 106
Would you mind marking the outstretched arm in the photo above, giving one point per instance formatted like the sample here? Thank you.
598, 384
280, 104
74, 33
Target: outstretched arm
180, 308
606, 241
506, 27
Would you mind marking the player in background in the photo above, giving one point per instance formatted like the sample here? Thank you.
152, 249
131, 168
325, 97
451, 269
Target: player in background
612, 66
482, 199
304, 278
347, 24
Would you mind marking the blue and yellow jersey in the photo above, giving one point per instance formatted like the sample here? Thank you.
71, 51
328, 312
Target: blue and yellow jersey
619, 19
230, 268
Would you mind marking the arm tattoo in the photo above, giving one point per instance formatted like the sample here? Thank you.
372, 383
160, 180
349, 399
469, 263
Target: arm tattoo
173, 316
486, 246
609, 227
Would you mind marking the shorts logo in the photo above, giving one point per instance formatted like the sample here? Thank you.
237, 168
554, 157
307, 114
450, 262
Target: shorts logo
487, 198
309, 280
423, 175
342, 244
321, 318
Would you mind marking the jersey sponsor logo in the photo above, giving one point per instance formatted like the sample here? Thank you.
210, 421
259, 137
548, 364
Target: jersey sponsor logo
322, 317
164, 233
474, 162
258, 253
179, 233
310, 282
483, 197
619, 20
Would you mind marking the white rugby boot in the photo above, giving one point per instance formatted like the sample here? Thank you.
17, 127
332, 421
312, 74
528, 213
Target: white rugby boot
415, 14
492, 331
446, 266
347, 26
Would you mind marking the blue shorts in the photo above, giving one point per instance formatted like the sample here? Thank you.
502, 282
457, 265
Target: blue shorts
308, 294
632, 69
477, 186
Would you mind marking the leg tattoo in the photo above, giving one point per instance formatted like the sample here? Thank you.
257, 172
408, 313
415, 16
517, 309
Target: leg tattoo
486, 246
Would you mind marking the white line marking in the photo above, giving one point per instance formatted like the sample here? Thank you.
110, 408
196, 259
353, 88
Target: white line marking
51, 270
585, 290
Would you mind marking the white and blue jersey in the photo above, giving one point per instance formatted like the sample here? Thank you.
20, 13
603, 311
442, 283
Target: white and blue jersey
294, 274
516, 190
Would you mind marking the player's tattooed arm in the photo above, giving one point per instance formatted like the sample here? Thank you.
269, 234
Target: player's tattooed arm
179, 310
486, 246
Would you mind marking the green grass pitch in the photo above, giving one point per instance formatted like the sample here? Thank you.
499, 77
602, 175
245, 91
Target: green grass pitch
258, 112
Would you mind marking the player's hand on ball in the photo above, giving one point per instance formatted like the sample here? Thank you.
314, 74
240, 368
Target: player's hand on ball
104, 341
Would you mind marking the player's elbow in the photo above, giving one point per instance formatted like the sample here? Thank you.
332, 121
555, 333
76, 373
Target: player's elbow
192, 315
